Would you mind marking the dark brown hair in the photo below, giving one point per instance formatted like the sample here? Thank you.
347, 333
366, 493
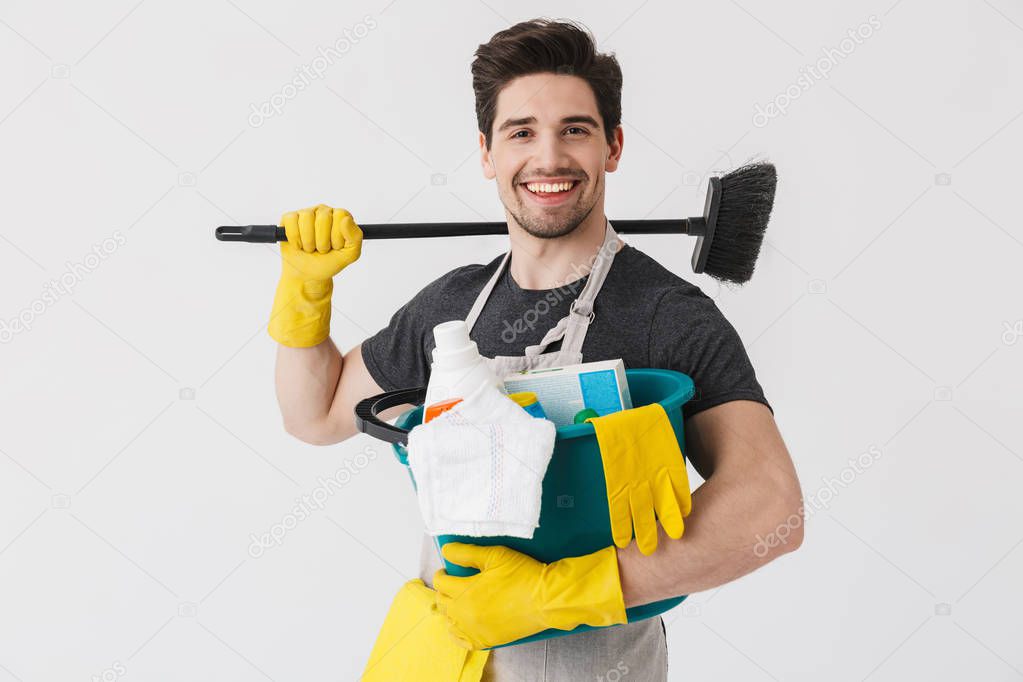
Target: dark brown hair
545, 46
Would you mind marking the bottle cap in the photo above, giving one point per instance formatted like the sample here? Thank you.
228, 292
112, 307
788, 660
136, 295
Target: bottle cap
453, 348
586, 413
523, 398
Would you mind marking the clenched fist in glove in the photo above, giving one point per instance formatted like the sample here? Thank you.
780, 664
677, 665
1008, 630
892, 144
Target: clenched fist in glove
322, 241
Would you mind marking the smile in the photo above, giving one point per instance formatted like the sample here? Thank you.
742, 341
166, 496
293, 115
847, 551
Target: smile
550, 193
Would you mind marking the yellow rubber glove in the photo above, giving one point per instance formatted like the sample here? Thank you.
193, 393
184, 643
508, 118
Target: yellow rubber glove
644, 473
414, 643
322, 241
515, 596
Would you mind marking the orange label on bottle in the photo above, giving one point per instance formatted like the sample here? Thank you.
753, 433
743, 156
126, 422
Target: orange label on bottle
439, 407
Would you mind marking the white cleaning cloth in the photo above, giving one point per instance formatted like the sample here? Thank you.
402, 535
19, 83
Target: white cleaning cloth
479, 466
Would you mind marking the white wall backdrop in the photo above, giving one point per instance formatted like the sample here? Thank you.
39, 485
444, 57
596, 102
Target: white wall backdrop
141, 447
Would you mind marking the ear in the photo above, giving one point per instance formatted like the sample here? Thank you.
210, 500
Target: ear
614, 150
486, 161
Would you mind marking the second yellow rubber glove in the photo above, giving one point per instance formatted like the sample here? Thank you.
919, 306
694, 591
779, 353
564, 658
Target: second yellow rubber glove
322, 241
514, 595
414, 643
644, 473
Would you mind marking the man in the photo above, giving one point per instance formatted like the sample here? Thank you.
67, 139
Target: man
549, 110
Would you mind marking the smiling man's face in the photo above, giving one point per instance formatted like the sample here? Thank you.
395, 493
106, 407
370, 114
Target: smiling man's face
549, 153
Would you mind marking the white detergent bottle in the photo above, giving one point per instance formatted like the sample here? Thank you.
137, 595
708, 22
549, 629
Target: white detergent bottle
458, 368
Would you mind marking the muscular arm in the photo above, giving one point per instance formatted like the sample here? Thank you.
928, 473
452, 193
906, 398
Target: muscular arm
750, 491
317, 390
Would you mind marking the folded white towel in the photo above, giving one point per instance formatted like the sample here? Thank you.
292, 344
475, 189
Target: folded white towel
479, 466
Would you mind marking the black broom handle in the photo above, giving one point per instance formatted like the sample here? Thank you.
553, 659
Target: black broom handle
696, 227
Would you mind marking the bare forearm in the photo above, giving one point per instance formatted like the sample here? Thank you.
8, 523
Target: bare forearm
306, 380
723, 538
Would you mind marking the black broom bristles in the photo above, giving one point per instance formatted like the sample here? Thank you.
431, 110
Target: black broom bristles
747, 195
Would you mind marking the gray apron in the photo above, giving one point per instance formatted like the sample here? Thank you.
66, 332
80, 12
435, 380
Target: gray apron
638, 650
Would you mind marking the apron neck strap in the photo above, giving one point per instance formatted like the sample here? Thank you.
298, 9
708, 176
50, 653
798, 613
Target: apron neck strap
582, 306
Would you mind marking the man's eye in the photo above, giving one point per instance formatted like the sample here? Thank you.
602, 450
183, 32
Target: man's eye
580, 130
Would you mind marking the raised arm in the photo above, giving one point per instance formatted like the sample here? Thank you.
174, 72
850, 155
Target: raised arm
317, 388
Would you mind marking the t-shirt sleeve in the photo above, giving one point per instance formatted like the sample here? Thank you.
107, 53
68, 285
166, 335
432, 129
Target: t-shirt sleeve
395, 356
690, 334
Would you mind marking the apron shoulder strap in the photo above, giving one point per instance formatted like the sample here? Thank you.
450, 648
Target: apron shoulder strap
488, 288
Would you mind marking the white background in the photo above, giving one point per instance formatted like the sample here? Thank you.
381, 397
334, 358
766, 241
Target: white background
141, 443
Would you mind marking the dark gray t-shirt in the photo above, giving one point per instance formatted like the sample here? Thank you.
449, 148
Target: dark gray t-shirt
644, 314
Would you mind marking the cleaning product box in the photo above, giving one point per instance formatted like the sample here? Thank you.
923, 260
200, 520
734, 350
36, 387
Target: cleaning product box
564, 391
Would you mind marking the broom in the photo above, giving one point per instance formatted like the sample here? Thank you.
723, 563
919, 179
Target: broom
729, 233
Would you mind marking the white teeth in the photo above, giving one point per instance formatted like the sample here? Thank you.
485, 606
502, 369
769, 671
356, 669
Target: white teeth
545, 187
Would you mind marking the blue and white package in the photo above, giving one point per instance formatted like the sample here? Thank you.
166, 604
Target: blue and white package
563, 391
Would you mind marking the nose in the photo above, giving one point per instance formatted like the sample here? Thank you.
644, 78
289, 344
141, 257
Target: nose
551, 152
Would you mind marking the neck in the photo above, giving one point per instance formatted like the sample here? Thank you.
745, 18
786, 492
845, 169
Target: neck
550, 263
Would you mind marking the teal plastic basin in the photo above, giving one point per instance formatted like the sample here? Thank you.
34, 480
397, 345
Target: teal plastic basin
574, 518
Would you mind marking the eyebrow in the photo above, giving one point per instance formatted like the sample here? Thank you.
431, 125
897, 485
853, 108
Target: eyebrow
578, 118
